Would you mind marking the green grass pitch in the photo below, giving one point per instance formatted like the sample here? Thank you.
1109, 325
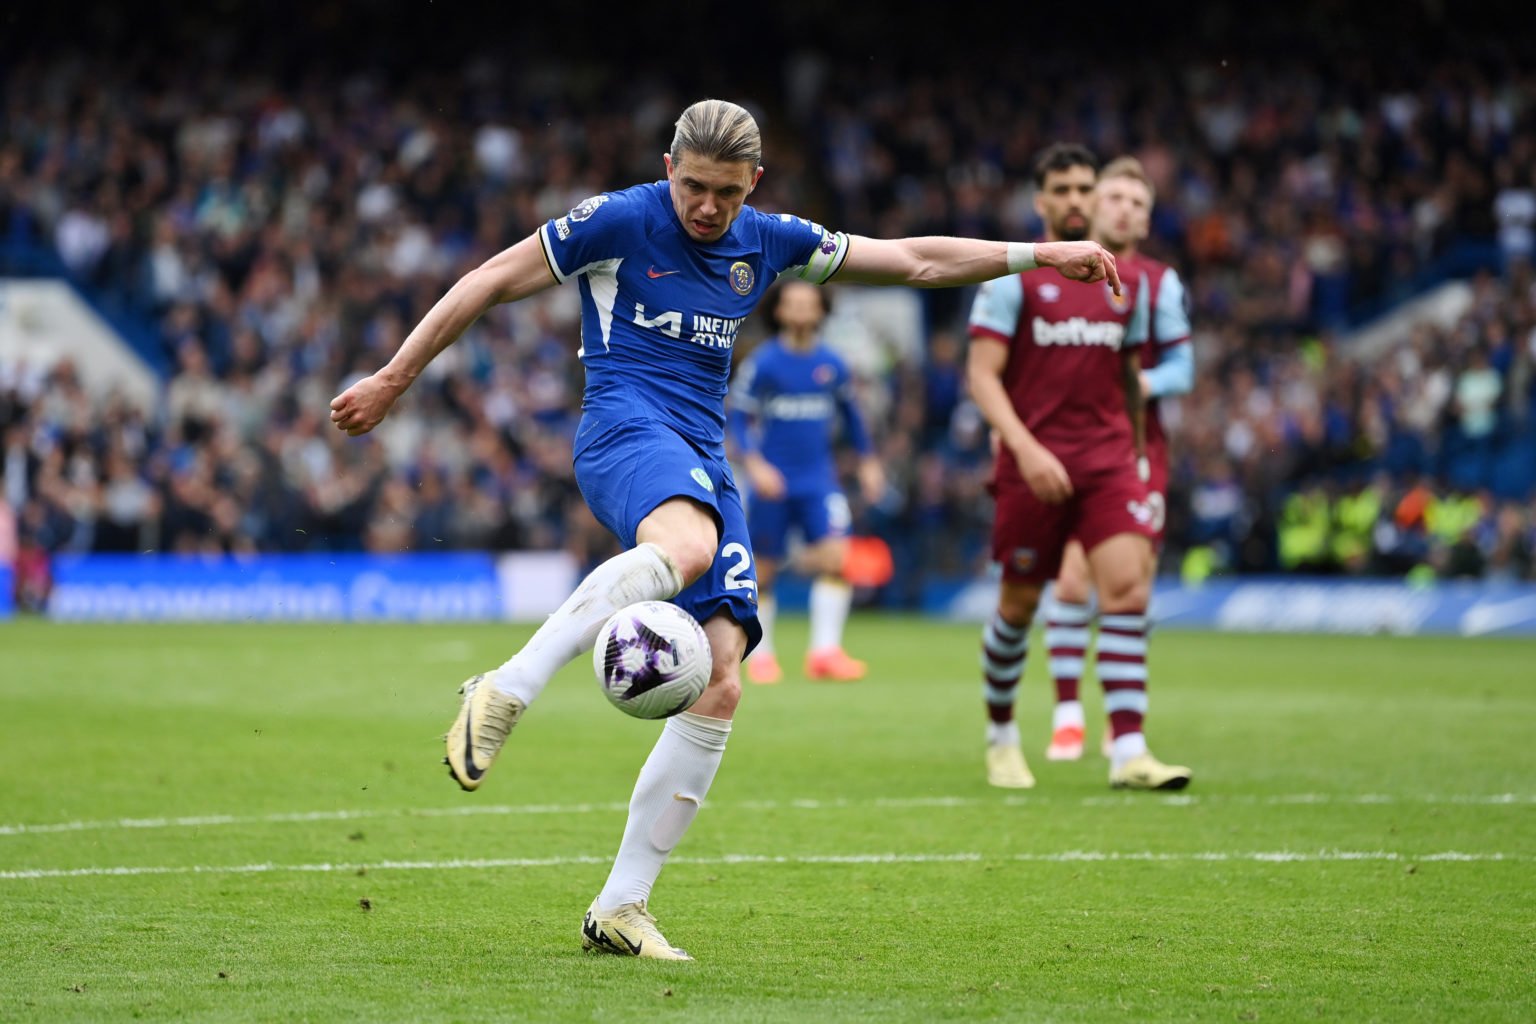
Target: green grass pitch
250, 823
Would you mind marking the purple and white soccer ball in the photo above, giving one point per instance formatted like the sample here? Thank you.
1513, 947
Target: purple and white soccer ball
652, 659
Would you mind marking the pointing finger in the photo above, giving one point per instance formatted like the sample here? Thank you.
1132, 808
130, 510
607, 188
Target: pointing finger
1111, 271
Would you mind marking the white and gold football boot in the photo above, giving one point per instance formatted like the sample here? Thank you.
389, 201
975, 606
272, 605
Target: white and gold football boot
1147, 772
628, 931
1007, 768
485, 719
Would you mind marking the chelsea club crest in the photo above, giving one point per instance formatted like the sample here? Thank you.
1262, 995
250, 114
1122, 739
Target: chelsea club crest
742, 278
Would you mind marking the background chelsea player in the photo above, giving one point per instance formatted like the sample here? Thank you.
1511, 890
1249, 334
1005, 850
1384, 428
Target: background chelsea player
787, 400
667, 273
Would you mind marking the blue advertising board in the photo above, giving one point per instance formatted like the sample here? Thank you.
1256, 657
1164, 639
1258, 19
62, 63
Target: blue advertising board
1277, 604
341, 587
526, 586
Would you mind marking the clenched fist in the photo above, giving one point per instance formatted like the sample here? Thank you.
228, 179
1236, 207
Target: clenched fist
364, 405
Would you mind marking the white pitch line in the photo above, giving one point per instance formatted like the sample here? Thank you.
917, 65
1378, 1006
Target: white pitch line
879, 803
359, 814
750, 859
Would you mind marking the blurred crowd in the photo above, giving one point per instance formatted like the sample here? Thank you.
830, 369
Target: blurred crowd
279, 236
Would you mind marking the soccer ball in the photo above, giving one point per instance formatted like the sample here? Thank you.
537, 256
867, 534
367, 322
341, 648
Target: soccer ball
652, 659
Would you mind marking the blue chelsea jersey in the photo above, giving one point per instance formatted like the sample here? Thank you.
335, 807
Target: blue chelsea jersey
786, 405
660, 312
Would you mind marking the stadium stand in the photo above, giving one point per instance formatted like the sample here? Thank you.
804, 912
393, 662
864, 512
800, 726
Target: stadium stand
262, 236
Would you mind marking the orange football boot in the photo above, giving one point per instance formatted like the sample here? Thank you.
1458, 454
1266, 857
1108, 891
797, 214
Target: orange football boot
833, 665
764, 668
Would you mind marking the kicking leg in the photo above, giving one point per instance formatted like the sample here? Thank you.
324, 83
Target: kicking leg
675, 544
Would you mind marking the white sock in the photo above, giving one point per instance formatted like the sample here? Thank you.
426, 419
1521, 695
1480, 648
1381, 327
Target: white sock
643, 573
1003, 734
1068, 712
830, 600
668, 794
1127, 746
767, 609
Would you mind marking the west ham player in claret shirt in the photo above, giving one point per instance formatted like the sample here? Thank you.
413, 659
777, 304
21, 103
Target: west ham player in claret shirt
1053, 367
667, 272
1122, 216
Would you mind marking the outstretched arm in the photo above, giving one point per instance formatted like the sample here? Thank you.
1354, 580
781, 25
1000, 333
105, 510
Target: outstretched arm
937, 261
512, 274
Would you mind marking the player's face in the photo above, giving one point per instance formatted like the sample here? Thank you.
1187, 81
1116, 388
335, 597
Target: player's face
707, 194
1122, 213
1065, 203
799, 309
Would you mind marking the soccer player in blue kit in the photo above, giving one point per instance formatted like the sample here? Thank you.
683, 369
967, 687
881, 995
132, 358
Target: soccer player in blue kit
667, 273
786, 401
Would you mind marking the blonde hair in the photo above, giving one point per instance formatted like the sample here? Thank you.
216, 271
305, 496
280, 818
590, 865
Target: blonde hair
718, 130
1129, 167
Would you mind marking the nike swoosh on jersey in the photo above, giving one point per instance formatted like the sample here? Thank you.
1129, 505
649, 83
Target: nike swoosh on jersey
653, 273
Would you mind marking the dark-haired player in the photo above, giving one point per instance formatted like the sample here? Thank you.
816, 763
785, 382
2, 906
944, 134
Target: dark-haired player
1121, 219
1053, 366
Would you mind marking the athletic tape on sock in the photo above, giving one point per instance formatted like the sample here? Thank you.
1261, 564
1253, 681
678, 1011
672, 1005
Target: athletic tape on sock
673, 822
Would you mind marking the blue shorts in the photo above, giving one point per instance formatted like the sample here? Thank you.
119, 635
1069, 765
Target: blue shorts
817, 515
627, 469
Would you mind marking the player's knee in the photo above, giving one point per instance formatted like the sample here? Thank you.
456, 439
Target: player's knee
1074, 581
1017, 606
687, 532
827, 558
692, 554
724, 690
728, 645
691, 550
1072, 589
1125, 595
